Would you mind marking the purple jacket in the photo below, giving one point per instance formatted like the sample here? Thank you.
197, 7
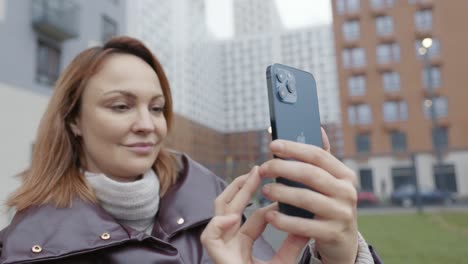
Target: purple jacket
85, 233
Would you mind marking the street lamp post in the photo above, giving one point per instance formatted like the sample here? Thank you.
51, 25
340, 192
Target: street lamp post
430, 103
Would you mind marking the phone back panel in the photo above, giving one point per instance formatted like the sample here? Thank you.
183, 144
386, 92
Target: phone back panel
294, 115
298, 121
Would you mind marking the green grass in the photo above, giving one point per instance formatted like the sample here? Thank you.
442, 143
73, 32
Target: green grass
413, 238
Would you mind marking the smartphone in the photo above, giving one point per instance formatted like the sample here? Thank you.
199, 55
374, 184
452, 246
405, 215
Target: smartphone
294, 115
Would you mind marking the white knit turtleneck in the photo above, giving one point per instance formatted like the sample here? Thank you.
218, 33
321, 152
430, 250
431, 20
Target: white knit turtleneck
131, 203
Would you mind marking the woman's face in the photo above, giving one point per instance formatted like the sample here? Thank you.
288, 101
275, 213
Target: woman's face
121, 121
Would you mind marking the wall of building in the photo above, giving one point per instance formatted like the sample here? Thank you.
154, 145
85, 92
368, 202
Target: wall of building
447, 28
22, 98
20, 115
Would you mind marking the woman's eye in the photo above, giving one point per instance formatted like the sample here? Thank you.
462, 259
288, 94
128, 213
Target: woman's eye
120, 107
158, 109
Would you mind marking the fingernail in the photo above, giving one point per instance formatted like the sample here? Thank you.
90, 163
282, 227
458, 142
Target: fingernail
266, 189
277, 146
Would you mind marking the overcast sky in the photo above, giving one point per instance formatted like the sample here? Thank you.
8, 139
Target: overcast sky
294, 14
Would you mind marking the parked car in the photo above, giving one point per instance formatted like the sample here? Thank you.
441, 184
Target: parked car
406, 196
367, 199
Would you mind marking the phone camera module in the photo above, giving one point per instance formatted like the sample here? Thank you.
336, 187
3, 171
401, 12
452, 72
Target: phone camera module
281, 75
282, 91
286, 86
291, 85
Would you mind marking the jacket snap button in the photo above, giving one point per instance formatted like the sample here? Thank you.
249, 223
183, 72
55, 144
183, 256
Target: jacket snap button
180, 221
105, 236
36, 249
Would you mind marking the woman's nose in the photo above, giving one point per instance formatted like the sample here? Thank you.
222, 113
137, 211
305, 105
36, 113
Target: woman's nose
144, 122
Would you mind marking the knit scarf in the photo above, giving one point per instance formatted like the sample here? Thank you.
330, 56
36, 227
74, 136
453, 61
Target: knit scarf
131, 203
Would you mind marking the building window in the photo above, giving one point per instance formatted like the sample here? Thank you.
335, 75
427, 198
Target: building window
440, 105
351, 30
423, 20
391, 81
47, 63
402, 176
433, 51
445, 177
394, 111
431, 77
363, 143
398, 140
109, 28
377, 4
387, 53
359, 114
440, 138
344, 6
384, 25
357, 85
366, 181
354, 57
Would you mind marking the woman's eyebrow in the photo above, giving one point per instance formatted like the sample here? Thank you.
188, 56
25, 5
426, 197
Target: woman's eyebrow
131, 95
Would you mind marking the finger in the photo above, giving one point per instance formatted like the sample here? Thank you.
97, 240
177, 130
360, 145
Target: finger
290, 249
312, 176
217, 227
244, 195
324, 207
228, 194
325, 231
256, 223
325, 141
313, 155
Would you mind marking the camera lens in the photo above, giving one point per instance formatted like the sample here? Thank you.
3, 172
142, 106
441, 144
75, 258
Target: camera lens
281, 75
282, 91
291, 85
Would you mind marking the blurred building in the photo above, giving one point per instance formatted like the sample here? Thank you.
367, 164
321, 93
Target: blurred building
253, 17
38, 40
313, 49
386, 89
175, 30
219, 87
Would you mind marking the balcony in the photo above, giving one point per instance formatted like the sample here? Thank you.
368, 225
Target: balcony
55, 19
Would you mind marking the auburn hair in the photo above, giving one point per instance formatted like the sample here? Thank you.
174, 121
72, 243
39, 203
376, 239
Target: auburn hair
54, 175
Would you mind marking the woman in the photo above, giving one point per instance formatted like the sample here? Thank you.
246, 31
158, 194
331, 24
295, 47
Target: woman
102, 188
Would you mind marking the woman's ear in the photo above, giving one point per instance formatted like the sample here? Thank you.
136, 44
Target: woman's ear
75, 128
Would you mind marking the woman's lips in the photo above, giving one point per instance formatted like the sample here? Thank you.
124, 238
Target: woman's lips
141, 148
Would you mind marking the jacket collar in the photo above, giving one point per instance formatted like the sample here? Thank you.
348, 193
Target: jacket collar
187, 203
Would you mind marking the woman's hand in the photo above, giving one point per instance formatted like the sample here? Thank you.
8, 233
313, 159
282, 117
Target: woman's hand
333, 200
229, 242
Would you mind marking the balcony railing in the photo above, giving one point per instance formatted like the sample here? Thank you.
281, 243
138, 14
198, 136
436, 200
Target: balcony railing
56, 19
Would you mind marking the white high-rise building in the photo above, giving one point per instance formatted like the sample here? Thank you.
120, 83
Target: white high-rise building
252, 17
260, 40
221, 84
244, 71
312, 49
176, 31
